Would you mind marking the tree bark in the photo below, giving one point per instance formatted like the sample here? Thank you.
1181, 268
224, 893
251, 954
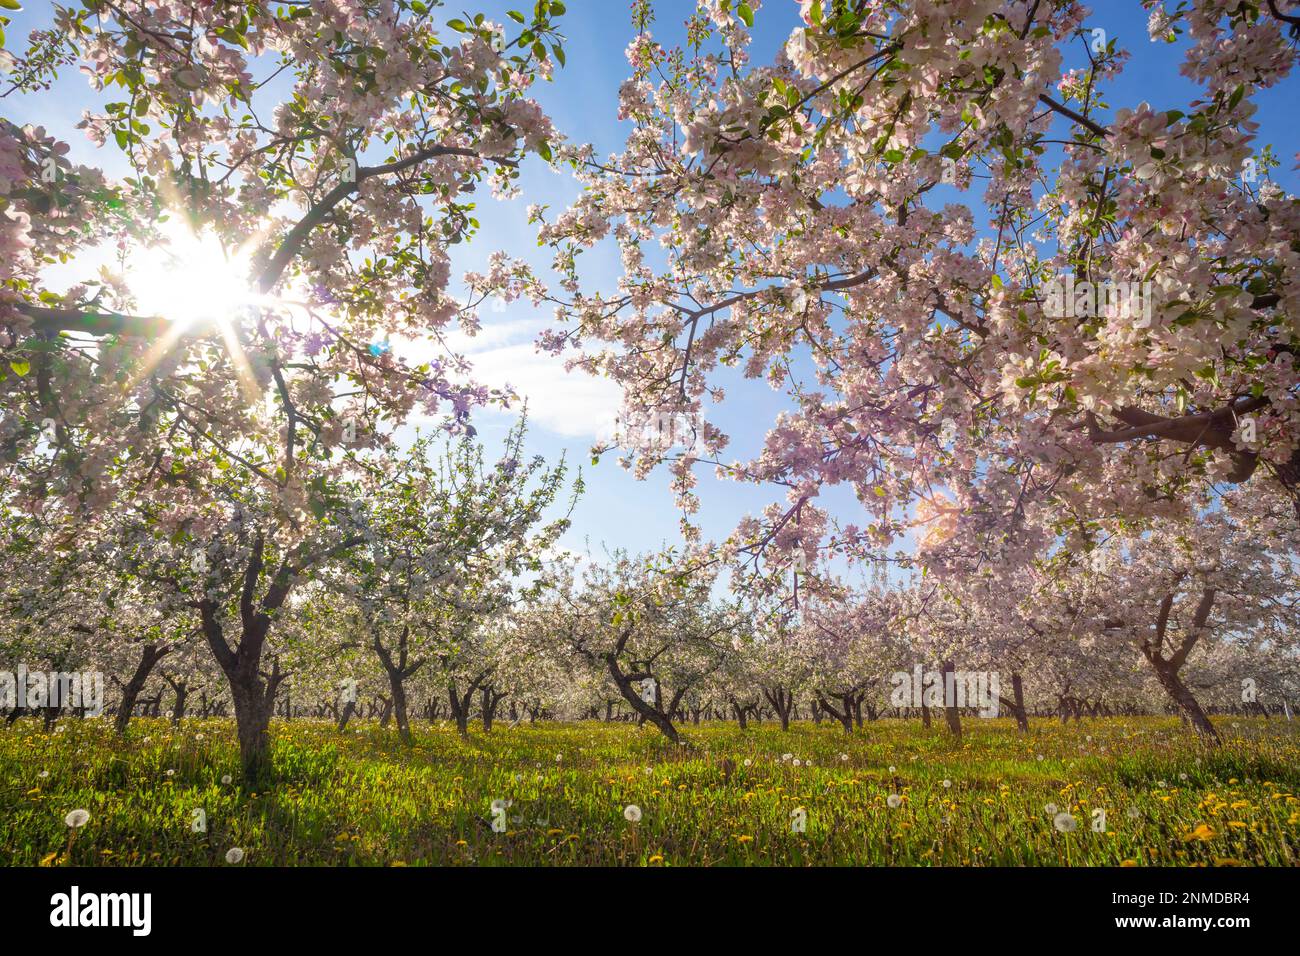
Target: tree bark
845, 716
624, 683
950, 712
1187, 704
150, 655
1017, 703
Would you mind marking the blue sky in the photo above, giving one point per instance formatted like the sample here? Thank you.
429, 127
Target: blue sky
569, 410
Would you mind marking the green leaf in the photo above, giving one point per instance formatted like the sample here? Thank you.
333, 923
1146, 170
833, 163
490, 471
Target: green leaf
745, 13
19, 366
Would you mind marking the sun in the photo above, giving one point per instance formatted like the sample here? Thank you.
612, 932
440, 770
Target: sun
191, 279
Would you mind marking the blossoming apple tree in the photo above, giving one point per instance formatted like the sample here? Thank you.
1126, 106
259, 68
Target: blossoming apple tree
873, 223
296, 176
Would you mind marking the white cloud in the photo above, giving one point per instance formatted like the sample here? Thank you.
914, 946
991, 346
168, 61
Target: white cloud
573, 404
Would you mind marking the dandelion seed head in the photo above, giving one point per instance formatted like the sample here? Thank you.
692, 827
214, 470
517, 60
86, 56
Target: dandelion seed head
77, 818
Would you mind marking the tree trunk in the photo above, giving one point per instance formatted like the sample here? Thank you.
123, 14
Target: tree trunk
781, 701
652, 714
181, 692
491, 700
150, 655
252, 724
845, 716
349, 708
460, 707
741, 717
396, 683
1017, 703
950, 699
1187, 704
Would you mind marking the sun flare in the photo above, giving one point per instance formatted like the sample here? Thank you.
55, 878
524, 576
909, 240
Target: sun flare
191, 279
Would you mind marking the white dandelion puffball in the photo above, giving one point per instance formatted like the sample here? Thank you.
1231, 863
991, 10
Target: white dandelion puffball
1064, 822
1050, 809
947, 784
77, 818
198, 736
1040, 758
171, 773
43, 774
894, 801
499, 805
559, 757
1161, 783
796, 761
234, 855
787, 756
632, 813
225, 778
748, 761
1182, 776
844, 756
893, 769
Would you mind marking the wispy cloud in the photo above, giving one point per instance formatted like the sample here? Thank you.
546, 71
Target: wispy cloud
571, 404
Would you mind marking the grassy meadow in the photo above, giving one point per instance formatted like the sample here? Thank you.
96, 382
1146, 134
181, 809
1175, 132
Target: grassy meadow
892, 794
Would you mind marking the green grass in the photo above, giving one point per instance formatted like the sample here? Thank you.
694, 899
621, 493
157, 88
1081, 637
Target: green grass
725, 799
